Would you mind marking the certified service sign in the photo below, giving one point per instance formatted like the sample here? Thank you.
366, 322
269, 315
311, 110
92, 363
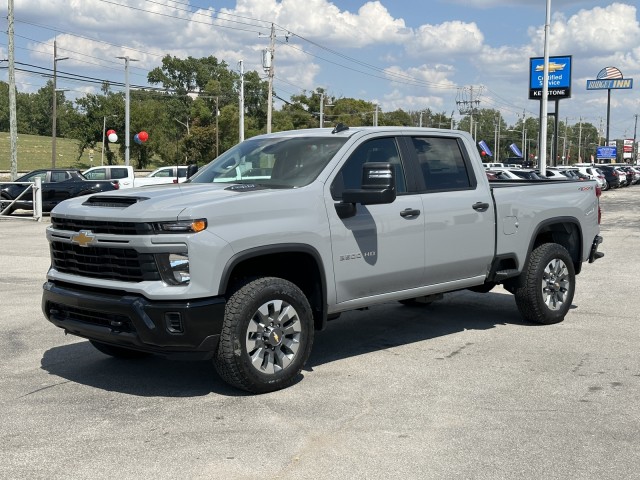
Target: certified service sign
609, 78
559, 81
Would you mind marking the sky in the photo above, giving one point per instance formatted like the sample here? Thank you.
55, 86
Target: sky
404, 54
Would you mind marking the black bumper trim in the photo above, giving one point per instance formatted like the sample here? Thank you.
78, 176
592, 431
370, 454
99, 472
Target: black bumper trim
132, 321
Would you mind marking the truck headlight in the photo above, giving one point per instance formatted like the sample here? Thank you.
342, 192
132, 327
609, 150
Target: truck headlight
174, 268
181, 226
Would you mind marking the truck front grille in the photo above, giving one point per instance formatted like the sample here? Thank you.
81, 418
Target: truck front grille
121, 264
114, 321
101, 226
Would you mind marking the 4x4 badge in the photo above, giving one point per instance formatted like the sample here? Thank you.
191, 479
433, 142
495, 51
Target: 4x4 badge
83, 238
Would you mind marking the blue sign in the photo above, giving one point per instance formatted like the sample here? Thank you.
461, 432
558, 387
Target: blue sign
606, 152
559, 78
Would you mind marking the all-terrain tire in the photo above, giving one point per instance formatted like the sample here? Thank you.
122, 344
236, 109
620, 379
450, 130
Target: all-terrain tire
547, 284
267, 335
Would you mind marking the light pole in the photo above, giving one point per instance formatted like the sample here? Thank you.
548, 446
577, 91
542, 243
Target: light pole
54, 113
126, 108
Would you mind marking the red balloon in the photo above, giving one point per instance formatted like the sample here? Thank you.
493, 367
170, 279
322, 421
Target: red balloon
143, 136
109, 132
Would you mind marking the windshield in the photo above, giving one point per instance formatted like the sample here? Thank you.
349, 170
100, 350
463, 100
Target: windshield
280, 162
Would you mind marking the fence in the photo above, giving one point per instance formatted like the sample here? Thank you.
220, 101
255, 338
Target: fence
8, 205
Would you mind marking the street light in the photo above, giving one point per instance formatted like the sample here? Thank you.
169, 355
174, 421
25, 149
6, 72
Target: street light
54, 114
126, 107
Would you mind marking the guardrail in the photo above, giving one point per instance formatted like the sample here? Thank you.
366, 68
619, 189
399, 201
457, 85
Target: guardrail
6, 207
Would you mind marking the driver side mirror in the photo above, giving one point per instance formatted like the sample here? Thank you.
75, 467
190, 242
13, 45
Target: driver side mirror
378, 187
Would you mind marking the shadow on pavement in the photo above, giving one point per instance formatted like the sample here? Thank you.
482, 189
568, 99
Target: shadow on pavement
354, 333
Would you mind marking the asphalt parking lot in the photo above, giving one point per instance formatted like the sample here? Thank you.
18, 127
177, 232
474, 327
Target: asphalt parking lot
461, 389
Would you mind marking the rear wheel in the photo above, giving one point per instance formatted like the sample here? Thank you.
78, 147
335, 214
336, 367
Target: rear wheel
547, 284
266, 337
118, 352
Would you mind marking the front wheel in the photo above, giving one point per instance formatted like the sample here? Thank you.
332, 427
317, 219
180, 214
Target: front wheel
4, 206
266, 337
547, 284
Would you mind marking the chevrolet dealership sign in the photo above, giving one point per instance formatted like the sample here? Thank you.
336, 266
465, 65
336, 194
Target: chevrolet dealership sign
610, 78
559, 79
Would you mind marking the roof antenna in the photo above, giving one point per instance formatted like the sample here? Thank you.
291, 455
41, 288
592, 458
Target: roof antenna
340, 127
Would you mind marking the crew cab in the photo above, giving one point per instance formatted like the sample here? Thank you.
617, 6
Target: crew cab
245, 270
57, 185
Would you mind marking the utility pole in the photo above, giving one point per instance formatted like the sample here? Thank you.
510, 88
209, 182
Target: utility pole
375, 116
267, 65
468, 106
55, 104
217, 135
241, 100
580, 139
321, 110
13, 124
126, 108
635, 145
564, 143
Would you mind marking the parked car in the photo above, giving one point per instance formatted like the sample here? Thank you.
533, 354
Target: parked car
516, 174
174, 174
57, 185
595, 174
633, 176
123, 174
553, 174
626, 178
611, 175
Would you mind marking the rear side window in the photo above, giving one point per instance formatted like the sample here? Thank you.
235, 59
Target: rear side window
59, 176
441, 162
98, 174
119, 173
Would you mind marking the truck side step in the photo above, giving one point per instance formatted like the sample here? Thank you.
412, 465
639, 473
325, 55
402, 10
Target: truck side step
504, 274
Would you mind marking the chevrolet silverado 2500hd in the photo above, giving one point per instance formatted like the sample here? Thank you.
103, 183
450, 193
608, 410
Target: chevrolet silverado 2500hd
284, 231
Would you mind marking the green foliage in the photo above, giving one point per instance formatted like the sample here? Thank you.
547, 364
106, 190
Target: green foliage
193, 116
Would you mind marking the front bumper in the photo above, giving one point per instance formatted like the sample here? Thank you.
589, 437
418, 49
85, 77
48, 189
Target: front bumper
183, 329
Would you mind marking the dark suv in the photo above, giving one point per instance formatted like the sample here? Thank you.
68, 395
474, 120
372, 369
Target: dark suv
611, 174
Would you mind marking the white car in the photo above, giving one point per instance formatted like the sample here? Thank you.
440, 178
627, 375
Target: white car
174, 174
554, 174
596, 174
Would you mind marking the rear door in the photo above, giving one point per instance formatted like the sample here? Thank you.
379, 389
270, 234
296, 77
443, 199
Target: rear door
458, 211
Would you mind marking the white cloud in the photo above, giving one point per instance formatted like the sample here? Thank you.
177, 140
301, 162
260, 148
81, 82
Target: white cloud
448, 38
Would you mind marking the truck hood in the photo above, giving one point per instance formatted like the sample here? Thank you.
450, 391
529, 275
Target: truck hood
156, 203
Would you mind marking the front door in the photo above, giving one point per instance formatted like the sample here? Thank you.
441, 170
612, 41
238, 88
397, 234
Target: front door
381, 248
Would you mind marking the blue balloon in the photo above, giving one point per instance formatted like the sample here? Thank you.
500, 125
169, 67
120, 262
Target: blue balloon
137, 139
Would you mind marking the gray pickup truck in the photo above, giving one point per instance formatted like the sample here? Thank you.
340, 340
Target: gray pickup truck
283, 232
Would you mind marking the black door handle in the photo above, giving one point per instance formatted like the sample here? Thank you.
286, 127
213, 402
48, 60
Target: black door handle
481, 206
409, 212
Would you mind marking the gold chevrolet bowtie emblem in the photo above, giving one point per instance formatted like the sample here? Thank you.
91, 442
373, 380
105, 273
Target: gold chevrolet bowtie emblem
276, 337
83, 238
